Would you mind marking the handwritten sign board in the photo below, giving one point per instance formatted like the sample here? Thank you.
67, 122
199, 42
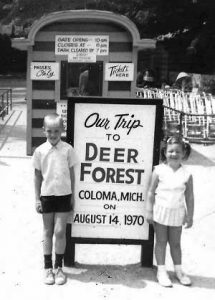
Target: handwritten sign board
119, 71
81, 48
44, 71
114, 143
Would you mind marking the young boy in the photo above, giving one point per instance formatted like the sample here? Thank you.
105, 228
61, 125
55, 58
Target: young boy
54, 179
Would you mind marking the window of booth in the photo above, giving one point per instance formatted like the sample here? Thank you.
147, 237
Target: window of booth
81, 79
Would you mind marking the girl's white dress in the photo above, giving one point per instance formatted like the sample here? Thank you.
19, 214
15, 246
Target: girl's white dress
170, 207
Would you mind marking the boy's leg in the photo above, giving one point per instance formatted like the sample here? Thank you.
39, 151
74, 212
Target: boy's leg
48, 231
60, 244
60, 234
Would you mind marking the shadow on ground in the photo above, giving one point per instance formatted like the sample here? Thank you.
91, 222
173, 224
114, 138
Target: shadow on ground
12, 134
133, 276
2, 163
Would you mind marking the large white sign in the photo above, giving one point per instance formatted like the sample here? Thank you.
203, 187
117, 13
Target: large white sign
114, 143
81, 48
119, 71
44, 71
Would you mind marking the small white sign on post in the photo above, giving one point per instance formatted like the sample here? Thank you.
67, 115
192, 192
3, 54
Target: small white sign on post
44, 71
82, 57
119, 71
62, 112
82, 48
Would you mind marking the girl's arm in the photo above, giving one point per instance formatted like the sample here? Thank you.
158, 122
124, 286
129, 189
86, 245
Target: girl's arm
72, 178
189, 198
150, 199
37, 187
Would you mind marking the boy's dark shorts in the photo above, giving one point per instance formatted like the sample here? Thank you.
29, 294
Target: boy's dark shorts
56, 203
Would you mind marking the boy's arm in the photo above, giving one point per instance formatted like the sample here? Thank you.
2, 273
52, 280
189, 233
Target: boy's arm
72, 178
37, 188
150, 199
189, 198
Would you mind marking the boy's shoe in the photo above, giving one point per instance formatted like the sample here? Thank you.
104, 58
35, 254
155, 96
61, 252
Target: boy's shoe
49, 277
60, 277
183, 278
163, 279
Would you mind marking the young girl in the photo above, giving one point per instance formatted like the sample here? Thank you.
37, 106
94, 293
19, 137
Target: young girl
169, 205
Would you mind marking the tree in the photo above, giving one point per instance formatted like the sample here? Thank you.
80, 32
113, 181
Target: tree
185, 27
11, 60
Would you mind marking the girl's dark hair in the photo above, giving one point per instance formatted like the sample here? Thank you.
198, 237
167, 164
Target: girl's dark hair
175, 140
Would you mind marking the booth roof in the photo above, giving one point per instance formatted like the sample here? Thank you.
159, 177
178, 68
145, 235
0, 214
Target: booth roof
24, 43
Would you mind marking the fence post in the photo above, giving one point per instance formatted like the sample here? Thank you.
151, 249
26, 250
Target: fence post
2, 107
7, 95
10, 91
206, 131
181, 124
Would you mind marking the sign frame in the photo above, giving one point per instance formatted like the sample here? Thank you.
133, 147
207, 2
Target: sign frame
146, 245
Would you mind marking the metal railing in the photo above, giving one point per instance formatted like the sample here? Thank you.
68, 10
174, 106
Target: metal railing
5, 101
187, 114
193, 127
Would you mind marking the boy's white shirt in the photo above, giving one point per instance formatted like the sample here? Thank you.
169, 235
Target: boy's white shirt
55, 162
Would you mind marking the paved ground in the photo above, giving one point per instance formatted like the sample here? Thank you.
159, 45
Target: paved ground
101, 272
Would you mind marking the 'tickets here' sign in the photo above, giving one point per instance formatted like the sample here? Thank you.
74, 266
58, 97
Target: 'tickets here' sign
119, 71
114, 143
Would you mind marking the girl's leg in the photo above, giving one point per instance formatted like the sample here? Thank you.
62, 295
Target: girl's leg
174, 239
161, 234
175, 249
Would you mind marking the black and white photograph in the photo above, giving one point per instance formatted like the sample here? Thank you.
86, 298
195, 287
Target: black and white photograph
107, 149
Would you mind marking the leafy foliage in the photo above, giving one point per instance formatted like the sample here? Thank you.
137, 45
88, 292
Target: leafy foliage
11, 59
185, 27
152, 17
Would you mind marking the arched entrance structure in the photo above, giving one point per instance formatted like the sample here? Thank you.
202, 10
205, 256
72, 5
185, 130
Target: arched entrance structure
51, 71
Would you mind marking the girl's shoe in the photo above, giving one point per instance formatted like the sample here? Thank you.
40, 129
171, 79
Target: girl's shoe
183, 278
49, 277
60, 277
163, 279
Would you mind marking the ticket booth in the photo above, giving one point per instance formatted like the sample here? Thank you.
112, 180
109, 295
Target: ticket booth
77, 53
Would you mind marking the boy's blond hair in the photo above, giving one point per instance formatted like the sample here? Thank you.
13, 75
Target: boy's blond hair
54, 117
